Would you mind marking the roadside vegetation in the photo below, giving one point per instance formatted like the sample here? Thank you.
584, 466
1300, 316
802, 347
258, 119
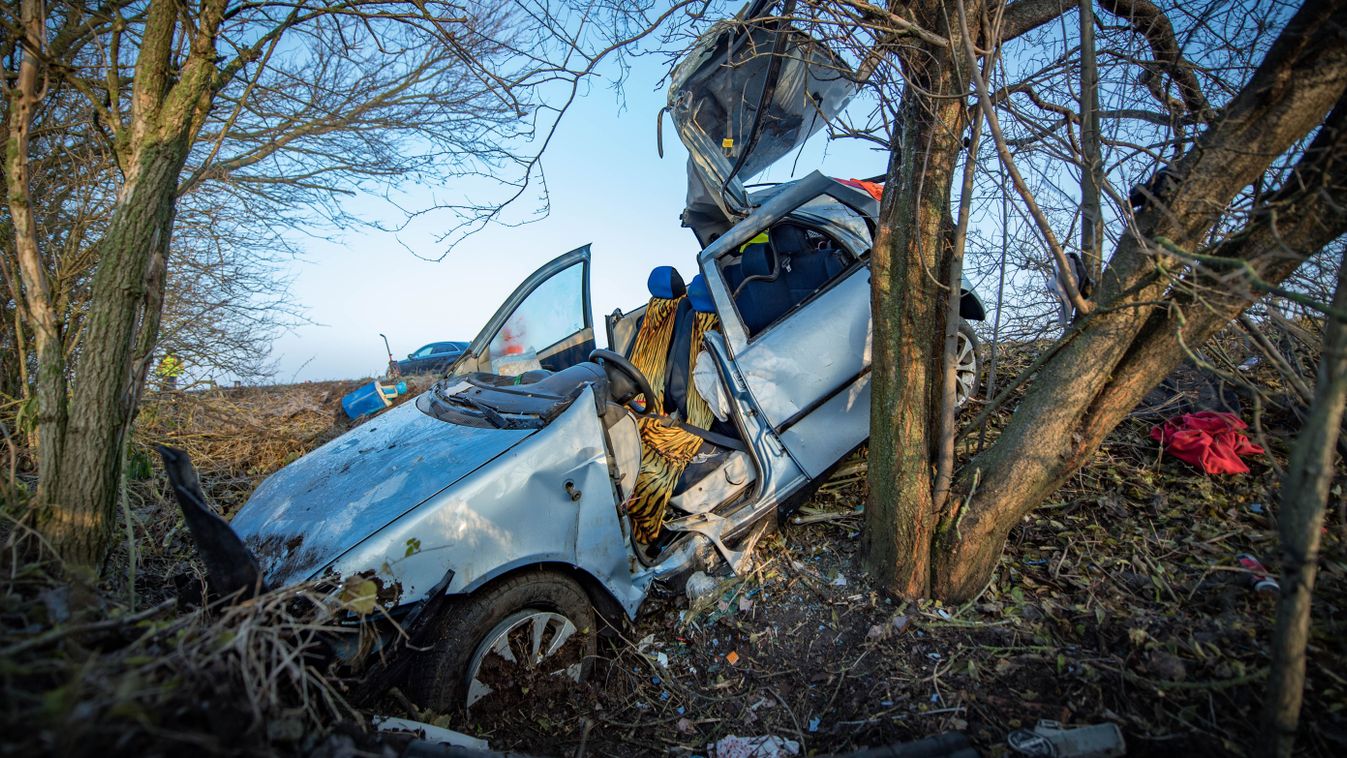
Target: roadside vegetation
1173, 171
1120, 600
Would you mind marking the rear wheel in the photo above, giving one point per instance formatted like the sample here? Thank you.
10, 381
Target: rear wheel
966, 365
524, 637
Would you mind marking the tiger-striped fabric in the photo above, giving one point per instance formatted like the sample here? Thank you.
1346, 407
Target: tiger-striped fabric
651, 351
665, 452
699, 413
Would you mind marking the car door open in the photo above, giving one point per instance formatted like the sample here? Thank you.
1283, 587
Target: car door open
544, 324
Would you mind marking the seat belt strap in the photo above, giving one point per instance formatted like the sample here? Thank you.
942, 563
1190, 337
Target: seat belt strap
715, 439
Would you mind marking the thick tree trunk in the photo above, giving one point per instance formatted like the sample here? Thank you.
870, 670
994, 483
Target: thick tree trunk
909, 314
1304, 498
83, 508
1129, 346
169, 102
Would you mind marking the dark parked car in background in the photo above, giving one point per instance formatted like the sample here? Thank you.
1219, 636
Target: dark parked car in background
432, 358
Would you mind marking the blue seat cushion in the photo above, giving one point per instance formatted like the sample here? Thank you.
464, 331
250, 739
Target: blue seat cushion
761, 299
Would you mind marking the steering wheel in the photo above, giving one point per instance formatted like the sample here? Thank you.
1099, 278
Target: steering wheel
608, 358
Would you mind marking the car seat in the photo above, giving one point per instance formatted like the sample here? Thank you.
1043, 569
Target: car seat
650, 349
665, 449
763, 295
806, 268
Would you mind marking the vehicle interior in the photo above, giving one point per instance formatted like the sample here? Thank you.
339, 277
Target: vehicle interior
716, 470
674, 458
781, 269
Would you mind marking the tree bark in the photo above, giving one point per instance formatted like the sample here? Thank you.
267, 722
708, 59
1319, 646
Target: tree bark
1304, 497
169, 105
1130, 345
25, 94
909, 313
79, 524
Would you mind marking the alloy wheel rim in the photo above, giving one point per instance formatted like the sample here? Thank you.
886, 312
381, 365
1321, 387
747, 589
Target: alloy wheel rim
523, 641
965, 370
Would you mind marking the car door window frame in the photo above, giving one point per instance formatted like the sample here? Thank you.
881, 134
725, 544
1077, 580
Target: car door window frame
775, 209
856, 261
479, 348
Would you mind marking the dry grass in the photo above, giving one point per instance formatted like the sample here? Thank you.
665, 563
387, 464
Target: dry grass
1118, 600
85, 674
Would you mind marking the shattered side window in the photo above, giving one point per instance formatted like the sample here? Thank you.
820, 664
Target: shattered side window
550, 314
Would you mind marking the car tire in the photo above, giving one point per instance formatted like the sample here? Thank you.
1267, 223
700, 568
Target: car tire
537, 608
968, 365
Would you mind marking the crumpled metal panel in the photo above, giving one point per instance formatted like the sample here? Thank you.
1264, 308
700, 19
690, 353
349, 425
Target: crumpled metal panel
516, 511
320, 506
714, 94
812, 351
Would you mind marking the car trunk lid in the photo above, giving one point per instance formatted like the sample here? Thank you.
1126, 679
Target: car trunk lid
751, 89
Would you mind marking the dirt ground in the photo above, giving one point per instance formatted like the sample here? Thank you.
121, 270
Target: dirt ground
1120, 600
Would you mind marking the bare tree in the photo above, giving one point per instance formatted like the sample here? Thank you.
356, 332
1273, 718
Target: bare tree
1304, 497
265, 108
1237, 201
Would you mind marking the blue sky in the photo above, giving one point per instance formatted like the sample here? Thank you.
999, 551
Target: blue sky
608, 187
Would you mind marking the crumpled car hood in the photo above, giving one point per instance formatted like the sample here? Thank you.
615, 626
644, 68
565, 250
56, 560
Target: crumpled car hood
311, 512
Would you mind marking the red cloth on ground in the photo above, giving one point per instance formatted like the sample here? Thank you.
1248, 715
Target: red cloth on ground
1210, 440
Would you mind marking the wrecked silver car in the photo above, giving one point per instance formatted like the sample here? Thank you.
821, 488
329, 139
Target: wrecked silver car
544, 484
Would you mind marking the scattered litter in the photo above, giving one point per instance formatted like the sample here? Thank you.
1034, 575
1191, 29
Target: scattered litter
840, 581
814, 723
700, 585
732, 657
1049, 739
745, 604
662, 659
429, 732
765, 746
1259, 578
372, 397
1255, 507
686, 727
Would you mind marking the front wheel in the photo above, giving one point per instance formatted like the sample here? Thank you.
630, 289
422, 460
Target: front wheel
523, 637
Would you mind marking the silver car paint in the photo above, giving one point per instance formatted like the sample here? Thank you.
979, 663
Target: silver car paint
516, 512
817, 351
329, 500
512, 509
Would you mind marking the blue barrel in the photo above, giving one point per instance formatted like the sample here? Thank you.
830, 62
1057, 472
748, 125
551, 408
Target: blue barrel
371, 398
